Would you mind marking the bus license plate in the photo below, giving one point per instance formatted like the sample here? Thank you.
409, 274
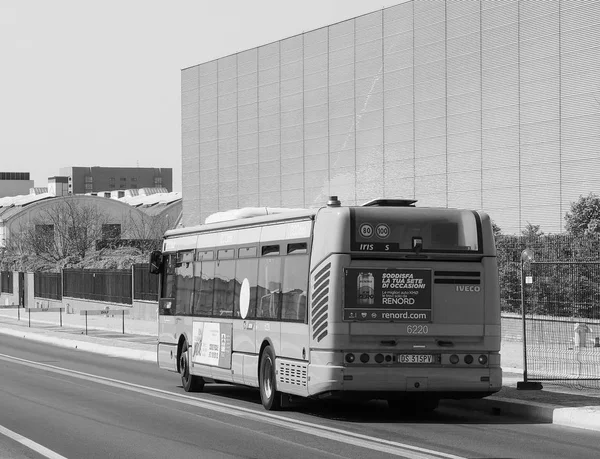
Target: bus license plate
415, 358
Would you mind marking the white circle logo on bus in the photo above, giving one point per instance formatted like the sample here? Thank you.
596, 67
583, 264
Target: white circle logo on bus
382, 231
244, 298
365, 230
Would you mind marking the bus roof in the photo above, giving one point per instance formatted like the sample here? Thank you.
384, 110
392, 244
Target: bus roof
246, 217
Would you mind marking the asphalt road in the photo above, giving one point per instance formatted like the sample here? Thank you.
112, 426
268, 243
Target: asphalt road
59, 403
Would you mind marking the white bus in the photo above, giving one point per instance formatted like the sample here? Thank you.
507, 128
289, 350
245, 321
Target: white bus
381, 301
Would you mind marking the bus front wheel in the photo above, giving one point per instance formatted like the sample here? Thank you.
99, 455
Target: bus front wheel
271, 399
190, 382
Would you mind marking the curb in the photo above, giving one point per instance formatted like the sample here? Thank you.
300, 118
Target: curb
111, 351
585, 417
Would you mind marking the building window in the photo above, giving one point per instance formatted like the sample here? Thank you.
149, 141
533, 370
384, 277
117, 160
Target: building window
123, 179
111, 185
133, 185
111, 231
89, 179
157, 181
122, 186
89, 186
134, 179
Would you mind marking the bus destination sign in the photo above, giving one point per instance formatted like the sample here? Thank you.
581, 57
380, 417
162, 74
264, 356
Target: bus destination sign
387, 295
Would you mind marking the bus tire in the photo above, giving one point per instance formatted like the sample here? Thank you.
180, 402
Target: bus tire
270, 398
190, 382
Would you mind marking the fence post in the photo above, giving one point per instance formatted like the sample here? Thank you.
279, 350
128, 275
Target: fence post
526, 257
60, 313
123, 312
86, 321
29, 311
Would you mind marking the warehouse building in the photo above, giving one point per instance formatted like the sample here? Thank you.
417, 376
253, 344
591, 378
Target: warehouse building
491, 105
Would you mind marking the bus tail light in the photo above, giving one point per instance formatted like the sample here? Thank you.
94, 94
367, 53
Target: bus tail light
454, 359
364, 358
379, 358
468, 359
482, 359
350, 358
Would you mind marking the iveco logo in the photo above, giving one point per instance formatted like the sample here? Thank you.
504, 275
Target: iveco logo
468, 288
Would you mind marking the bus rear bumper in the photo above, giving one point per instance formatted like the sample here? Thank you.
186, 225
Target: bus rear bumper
385, 382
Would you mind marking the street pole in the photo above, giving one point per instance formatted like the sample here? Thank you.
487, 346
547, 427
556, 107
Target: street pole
526, 256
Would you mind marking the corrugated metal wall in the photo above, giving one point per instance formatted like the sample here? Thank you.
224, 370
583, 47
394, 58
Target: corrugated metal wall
491, 105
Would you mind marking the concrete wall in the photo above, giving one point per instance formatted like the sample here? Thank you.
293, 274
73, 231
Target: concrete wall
488, 104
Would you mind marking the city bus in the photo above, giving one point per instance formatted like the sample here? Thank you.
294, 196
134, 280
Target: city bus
386, 301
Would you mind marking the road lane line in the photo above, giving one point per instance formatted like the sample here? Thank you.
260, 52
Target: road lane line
332, 433
30, 444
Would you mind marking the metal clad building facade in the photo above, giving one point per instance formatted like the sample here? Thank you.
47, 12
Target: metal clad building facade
490, 105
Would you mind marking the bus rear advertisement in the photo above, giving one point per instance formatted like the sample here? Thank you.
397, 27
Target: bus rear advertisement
382, 301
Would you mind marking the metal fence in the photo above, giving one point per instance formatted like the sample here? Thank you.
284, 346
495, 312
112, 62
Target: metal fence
6, 282
145, 285
558, 294
562, 318
47, 285
110, 285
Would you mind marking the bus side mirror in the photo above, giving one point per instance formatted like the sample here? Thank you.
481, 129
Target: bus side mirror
156, 262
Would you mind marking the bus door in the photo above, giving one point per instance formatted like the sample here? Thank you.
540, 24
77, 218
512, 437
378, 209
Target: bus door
268, 298
167, 334
244, 328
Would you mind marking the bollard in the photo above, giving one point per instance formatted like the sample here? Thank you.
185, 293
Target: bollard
597, 342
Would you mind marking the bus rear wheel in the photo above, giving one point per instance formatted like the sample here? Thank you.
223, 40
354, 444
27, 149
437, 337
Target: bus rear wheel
271, 399
190, 382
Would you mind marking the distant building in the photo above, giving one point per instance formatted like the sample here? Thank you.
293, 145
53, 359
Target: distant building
86, 180
14, 183
139, 214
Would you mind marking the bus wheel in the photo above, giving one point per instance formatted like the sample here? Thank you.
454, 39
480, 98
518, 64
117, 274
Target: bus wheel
190, 382
271, 399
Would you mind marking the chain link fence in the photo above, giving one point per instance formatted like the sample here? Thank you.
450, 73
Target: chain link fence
561, 299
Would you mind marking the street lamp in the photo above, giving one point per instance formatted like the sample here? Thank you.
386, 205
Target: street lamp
526, 257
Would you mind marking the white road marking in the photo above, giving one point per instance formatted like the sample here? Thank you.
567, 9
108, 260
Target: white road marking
343, 436
30, 444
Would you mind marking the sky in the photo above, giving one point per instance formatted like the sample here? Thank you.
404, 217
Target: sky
98, 83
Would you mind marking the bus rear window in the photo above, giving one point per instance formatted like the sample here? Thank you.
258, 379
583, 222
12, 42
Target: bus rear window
393, 229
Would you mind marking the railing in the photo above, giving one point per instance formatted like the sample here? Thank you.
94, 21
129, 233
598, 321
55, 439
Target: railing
112, 286
145, 285
6, 282
47, 285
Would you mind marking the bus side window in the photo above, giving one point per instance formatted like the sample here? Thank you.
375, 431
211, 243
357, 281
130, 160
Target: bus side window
168, 280
269, 288
224, 288
167, 295
184, 288
295, 282
205, 277
246, 269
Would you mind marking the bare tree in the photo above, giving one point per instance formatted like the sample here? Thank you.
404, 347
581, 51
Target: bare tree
147, 230
61, 230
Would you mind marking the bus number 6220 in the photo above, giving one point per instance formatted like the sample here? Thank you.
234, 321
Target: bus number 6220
417, 329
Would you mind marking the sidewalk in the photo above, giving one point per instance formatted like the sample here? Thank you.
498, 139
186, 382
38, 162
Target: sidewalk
553, 404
